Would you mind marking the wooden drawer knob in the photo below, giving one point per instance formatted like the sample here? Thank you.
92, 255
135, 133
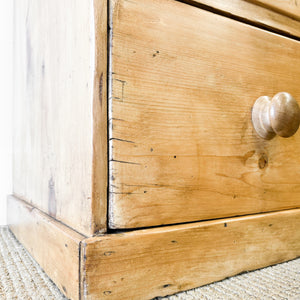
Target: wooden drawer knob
279, 115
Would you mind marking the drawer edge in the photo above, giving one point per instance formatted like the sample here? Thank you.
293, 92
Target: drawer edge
255, 13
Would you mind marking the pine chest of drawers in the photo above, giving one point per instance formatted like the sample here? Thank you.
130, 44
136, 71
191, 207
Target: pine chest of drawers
141, 167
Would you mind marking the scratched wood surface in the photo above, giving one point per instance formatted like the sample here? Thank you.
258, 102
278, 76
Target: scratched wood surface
54, 246
255, 12
58, 148
148, 263
182, 144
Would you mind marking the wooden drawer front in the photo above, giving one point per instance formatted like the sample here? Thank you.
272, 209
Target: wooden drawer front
182, 145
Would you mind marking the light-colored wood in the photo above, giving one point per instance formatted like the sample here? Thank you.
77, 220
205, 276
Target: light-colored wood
153, 262
156, 262
261, 119
279, 115
182, 143
289, 7
54, 246
252, 11
284, 114
59, 151
100, 158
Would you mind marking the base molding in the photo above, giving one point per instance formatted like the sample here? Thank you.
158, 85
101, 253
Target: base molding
157, 262
52, 244
144, 264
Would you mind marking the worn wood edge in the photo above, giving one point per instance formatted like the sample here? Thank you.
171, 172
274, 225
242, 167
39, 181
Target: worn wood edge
288, 8
52, 244
111, 4
99, 176
253, 13
148, 263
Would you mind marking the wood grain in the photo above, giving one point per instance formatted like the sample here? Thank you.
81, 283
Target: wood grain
53, 245
259, 13
100, 158
60, 138
288, 7
182, 143
155, 262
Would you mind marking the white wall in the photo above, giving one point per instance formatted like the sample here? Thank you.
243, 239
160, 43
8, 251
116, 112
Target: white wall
6, 91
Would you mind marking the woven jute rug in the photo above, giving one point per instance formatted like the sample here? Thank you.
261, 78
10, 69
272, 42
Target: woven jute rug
22, 278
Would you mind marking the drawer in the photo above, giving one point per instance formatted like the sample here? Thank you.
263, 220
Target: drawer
181, 140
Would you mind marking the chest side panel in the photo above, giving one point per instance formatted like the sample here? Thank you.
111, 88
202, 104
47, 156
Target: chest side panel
54, 68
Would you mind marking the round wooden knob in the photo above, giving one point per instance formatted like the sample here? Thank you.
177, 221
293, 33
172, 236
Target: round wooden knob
279, 115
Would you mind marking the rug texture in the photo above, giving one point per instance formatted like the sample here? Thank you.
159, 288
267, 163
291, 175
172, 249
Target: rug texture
22, 278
